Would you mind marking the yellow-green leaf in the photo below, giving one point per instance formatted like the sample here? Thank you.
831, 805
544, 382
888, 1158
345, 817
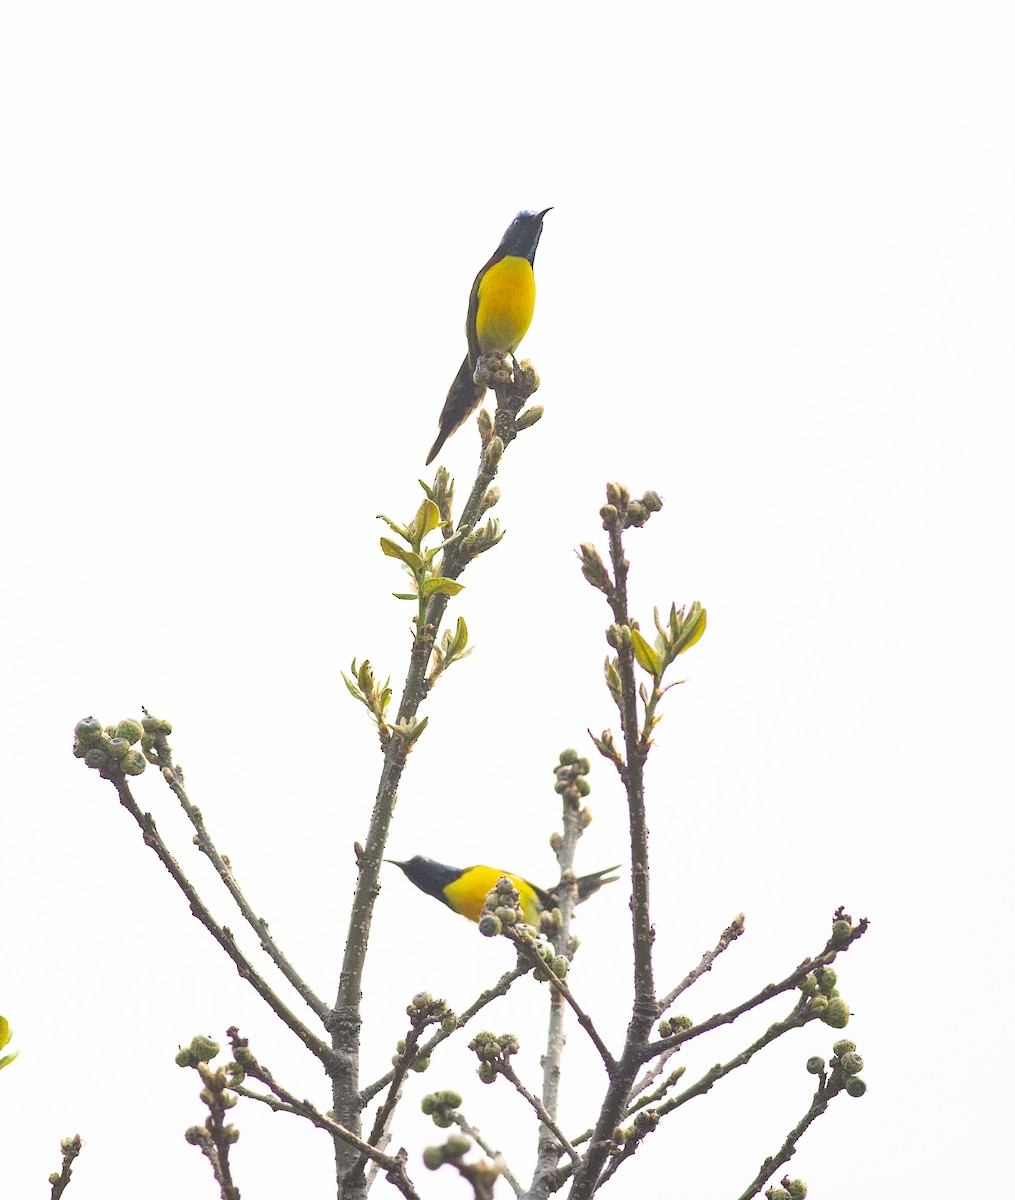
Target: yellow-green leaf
427, 518
394, 550
647, 658
439, 585
5, 1032
694, 627
8, 1058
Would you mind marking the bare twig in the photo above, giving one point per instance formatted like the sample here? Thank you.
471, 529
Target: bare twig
827, 1091
225, 872
220, 933
729, 936
472, 1132
500, 988
537, 1107
392, 1165
70, 1148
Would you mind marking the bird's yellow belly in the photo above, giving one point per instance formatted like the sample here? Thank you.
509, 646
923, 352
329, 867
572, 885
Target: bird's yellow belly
467, 894
507, 297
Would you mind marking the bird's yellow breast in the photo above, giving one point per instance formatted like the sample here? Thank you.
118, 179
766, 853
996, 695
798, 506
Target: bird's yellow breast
467, 895
507, 297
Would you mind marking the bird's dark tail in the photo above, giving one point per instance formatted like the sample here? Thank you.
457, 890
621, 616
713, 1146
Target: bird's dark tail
588, 885
463, 399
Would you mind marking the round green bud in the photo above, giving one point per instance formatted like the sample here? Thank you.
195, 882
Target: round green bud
796, 1188
419, 1065
132, 731
487, 1072
560, 966
584, 787
841, 933
54, 1178
96, 757
489, 925
652, 501
184, 1058
827, 979
854, 1086
584, 766
456, 1146
133, 763
400, 1045
556, 842
506, 916
637, 514
681, 1023
777, 1194
449, 1098
442, 1119
815, 1064
843, 1046
450, 1023
88, 729
818, 1004
204, 1049
232, 1133
665, 1028
422, 1000
568, 758
195, 1135
561, 786
851, 1063
118, 747
608, 513
433, 1157
79, 750
428, 1104
837, 1012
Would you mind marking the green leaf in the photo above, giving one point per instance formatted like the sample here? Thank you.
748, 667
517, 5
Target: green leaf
353, 691
410, 735
8, 1058
460, 640
394, 526
5, 1032
647, 658
405, 595
693, 627
394, 550
439, 585
427, 518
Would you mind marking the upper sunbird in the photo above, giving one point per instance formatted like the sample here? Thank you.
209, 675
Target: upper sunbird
464, 889
501, 303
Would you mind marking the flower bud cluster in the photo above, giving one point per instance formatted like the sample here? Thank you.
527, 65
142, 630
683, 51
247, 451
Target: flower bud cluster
671, 1025
571, 785
621, 512
455, 1148
110, 750
441, 1107
493, 1051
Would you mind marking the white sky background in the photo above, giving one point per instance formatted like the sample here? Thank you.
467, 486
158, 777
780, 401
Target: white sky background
776, 286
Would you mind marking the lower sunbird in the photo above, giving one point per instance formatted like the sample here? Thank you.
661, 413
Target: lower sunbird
501, 304
464, 889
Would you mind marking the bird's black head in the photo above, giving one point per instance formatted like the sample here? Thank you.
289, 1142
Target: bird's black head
429, 876
522, 236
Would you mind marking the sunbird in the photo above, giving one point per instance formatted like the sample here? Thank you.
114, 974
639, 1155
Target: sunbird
464, 889
500, 310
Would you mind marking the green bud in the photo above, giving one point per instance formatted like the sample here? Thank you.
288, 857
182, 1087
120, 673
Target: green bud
419, 1065
815, 1064
528, 417
130, 730
796, 1188
54, 1178
489, 925
195, 1135
133, 763
449, 1098
843, 1046
854, 1086
777, 1194
559, 966
616, 493
487, 1072
841, 932
584, 766
609, 515
428, 1104
837, 1012
184, 1058
456, 1146
443, 1119
818, 1004
584, 787
88, 729
556, 842
827, 979
433, 1157
118, 747
851, 1063
506, 915
204, 1049
809, 984
568, 758
450, 1023
652, 502
421, 1000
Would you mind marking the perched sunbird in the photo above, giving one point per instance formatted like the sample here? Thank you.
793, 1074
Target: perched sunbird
500, 311
465, 889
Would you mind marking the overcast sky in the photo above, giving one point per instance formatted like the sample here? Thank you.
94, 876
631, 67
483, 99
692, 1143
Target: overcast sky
776, 286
